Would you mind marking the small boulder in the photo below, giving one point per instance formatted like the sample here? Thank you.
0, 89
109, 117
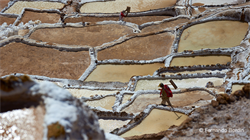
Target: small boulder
223, 99
214, 103
246, 90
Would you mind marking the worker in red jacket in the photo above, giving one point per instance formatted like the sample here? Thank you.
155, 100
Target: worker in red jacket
165, 94
122, 14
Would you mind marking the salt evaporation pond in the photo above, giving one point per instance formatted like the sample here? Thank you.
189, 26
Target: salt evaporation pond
178, 100
87, 93
236, 87
121, 73
106, 102
20, 5
184, 83
157, 121
213, 35
81, 36
110, 125
119, 5
200, 60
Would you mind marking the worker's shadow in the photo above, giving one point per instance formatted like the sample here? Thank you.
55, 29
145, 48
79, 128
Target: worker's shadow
122, 22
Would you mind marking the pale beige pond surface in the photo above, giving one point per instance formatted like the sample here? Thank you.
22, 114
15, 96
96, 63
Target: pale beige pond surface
236, 87
178, 100
119, 5
87, 93
125, 98
18, 6
109, 125
121, 73
200, 60
213, 34
106, 102
155, 122
184, 83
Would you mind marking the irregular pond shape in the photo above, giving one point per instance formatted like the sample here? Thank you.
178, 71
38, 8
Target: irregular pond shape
213, 35
42, 61
140, 48
6, 19
20, 5
106, 102
157, 121
236, 87
90, 35
121, 73
119, 5
200, 60
178, 100
184, 83
109, 125
87, 93
44, 17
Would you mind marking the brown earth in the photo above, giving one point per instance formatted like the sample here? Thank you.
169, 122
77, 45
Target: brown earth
8, 20
197, 4
22, 58
91, 35
44, 17
3, 3
137, 20
140, 48
162, 26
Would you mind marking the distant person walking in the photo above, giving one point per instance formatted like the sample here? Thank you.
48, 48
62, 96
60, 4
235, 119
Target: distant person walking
165, 94
122, 15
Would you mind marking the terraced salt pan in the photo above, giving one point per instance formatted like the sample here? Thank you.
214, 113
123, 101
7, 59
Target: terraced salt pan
106, 102
213, 34
200, 60
156, 121
168, 24
119, 5
150, 47
236, 87
22, 124
184, 83
48, 62
178, 100
44, 17
91, 36
6, 19
3, 3
109, 125
217, 2
87, 93
20, 5
121, 73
